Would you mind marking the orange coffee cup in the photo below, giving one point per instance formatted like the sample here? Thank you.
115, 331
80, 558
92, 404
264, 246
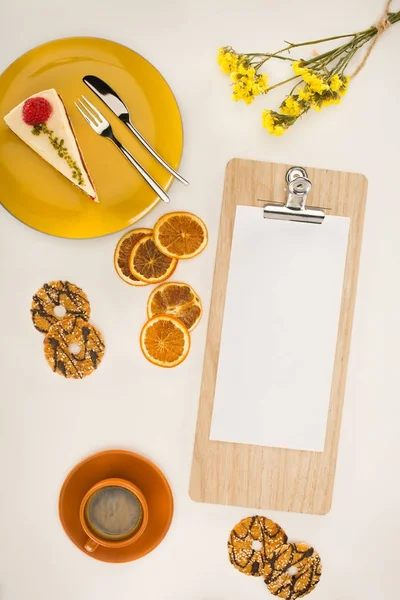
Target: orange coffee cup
113, 513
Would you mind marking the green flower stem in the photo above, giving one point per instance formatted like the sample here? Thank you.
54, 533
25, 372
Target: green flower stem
313, 42
322, 60
394, 17
258, 65
343, 53
332, 54
283, 82
275, 55
348, 53
292, 45
350, 48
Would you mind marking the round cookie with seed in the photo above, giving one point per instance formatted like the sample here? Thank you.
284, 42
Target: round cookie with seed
293, 572
73, 347
58, 300
252, 541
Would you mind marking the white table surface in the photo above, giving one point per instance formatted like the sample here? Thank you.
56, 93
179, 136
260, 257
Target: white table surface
45, 428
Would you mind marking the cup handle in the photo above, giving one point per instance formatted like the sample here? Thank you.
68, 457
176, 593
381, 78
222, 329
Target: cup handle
91, 545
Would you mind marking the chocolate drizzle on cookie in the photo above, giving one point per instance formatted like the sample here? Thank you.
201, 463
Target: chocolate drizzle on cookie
57, 347
248, 533
58, 293
306, 573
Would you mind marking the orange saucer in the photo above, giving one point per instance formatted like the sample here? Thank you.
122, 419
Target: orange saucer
125, 465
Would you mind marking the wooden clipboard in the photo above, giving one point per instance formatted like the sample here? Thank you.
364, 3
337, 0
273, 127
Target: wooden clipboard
256, 476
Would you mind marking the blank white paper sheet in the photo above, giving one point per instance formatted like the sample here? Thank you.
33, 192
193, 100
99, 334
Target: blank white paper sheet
279, 331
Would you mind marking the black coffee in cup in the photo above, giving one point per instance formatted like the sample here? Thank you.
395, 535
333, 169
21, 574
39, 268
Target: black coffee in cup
113, 513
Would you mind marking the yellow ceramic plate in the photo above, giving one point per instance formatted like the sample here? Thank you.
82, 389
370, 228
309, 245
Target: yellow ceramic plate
35, 192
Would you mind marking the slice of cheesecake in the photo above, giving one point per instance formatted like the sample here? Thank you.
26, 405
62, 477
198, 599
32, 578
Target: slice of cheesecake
42, 122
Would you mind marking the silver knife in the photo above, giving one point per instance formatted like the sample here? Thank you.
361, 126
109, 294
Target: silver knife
114, 103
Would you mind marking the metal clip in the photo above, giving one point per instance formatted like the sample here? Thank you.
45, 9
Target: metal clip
295, 208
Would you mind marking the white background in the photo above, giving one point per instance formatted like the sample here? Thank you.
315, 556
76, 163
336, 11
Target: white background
45, 428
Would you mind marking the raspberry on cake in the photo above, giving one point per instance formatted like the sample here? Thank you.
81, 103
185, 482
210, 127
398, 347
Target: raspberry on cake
41, 121
36, 111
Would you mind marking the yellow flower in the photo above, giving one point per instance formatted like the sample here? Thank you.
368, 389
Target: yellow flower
327, 99
314, 82
304, 94
279, 130
275, 123
247, 84
343, 90
338, 88
228, 60
268, 121
298, 70
270, 125
261, 84
290, 106
244, 69
333, 100
243, 73
242, 89
339, 83
335, 82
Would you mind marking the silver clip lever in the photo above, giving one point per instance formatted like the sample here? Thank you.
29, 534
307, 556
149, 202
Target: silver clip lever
295, 208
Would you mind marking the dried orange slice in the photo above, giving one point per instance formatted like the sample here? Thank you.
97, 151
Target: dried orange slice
178, 300
148, 264
180, 235
123, 252
165, 341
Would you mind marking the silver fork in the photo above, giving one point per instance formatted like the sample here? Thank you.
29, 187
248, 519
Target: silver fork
102, 127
